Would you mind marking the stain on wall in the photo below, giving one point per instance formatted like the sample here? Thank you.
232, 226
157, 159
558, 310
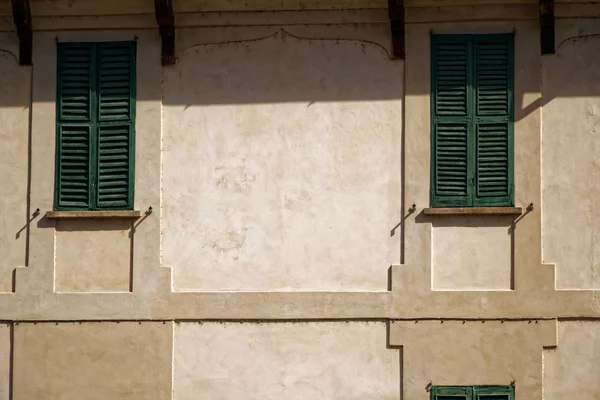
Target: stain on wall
284, 361
281, 165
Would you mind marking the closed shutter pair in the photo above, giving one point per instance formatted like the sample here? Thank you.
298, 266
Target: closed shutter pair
472, 120
473, 393
95, 125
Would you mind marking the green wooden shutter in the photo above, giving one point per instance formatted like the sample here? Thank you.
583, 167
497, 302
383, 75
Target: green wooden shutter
74, 127
493, 65
116, 122
95, 126
451, 121
473, 393
494, 393
451, 393
472, 120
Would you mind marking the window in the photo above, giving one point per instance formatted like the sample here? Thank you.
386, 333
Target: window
473, 393
95, 126
472, 120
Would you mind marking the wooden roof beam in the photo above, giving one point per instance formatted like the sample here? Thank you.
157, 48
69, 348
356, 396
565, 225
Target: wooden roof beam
165, 18
21, 12
547, 29
397, 18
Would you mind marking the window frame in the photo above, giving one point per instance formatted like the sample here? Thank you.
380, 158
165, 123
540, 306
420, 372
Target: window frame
472, 120
94, 124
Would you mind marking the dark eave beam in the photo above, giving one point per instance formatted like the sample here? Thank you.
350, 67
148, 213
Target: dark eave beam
547, 26
396, 14
21, 12
165, 18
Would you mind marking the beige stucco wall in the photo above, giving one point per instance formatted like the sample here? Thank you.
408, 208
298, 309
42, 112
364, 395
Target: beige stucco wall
571, 370
356, 264
5, 360
281, 164
70, 361
460, 353
93, 256
272, 155
471, 253
329, 360
14, 122
571, 156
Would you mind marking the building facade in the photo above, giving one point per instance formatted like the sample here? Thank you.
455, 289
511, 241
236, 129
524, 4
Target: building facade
299, 199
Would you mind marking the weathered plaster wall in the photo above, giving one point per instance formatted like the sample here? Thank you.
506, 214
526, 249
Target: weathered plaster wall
571, 162
572, 369
308, 296
458, 353
281, 165
287, 137
5, 361
330, 360
93, 256
471, 253
95, 361
15, 103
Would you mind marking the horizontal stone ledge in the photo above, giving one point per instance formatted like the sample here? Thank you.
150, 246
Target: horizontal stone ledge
93, 214
474, 211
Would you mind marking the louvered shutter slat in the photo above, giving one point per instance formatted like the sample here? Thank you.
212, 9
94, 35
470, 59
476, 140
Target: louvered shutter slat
115, 132
96, 106
451, 149
493, 127
472, 121
74, 126
492, 159
450, 98
450, 83
494, 393
73, 166
451, 393
74, 82
115, 82
493, 75
114, 162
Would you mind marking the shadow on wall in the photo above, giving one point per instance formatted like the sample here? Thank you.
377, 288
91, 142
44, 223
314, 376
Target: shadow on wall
249, 71
568, 87
571, 50
246, 74
256, 67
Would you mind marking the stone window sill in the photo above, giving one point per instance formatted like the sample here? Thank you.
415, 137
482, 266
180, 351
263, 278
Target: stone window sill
134, 214
474, 211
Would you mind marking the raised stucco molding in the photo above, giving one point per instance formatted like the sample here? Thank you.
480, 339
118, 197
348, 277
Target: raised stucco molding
431, 348
282, 34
